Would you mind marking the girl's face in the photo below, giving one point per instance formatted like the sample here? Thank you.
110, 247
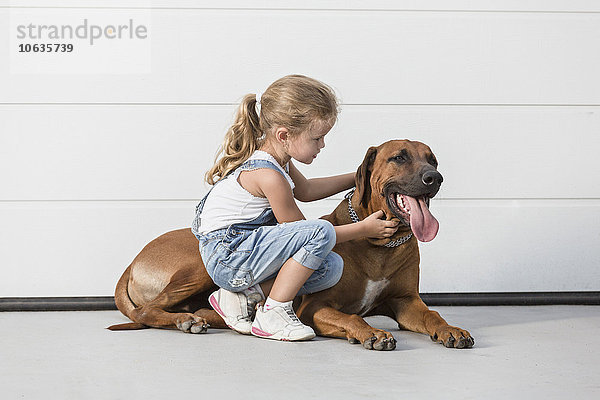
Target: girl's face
308, 144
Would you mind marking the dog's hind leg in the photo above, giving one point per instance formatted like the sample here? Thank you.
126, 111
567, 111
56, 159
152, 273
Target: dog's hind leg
212, 318
183, 284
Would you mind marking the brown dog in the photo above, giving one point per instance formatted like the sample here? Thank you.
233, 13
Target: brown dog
167, 286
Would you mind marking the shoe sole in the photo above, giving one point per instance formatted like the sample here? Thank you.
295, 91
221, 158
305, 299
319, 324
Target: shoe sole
215, 305
265, 335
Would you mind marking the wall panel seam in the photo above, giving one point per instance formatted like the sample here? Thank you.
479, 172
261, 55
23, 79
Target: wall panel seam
524, 199
399, 10
341, 104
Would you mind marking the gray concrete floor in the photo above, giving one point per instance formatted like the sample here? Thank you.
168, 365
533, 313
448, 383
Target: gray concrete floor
545, 352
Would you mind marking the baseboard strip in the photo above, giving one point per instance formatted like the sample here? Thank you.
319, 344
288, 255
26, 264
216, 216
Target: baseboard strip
57, 303
431, 299
511, 298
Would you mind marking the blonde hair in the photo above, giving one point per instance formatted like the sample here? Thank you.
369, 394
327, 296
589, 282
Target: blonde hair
295, 102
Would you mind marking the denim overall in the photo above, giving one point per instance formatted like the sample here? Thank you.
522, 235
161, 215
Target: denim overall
244, 254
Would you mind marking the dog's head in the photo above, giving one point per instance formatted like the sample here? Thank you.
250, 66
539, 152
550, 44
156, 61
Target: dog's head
400, 177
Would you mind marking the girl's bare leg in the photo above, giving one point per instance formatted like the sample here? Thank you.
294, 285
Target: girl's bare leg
288, 282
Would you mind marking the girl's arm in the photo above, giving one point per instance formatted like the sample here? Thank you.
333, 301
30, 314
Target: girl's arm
344, 233
277, 191
319, 188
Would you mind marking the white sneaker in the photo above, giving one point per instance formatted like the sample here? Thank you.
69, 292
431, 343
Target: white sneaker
234, 308
280, 323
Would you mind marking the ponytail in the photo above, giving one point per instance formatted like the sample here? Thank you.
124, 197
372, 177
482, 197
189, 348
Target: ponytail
241, 140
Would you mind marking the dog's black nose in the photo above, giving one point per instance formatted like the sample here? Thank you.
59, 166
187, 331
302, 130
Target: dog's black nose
432, 177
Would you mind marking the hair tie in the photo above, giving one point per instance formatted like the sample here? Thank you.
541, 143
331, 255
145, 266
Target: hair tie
258, 96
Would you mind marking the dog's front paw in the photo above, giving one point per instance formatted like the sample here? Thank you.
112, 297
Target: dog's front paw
453, 337
377, 340
191, 323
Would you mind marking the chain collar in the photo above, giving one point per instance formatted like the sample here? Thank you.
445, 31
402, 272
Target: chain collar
354, 218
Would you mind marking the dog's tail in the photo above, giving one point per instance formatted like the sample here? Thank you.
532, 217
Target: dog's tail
129, 326
124, 304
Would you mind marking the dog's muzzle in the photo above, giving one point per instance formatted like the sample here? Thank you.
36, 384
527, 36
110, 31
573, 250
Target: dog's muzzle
410, 204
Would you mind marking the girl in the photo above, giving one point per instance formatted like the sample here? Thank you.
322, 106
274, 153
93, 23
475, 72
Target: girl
254, 241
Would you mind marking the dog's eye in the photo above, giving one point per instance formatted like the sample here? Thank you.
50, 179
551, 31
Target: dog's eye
400, 158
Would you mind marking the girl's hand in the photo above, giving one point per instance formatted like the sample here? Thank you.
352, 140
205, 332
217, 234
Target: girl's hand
374, 227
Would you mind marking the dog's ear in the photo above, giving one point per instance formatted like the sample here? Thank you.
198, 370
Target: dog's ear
363, 177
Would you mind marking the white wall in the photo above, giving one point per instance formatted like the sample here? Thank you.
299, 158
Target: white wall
94, 165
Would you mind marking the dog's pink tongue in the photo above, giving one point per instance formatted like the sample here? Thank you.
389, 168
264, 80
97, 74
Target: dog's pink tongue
423, 224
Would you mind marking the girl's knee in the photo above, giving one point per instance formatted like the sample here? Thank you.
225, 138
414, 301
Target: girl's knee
325, 232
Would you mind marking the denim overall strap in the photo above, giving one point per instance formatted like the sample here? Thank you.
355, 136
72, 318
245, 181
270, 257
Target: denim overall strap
200, 206
251, 165
265, 218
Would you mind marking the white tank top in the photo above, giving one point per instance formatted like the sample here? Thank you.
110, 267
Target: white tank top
229, 203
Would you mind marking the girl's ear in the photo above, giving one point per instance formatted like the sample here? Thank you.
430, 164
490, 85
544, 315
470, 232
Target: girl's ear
363, 177
281, 134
